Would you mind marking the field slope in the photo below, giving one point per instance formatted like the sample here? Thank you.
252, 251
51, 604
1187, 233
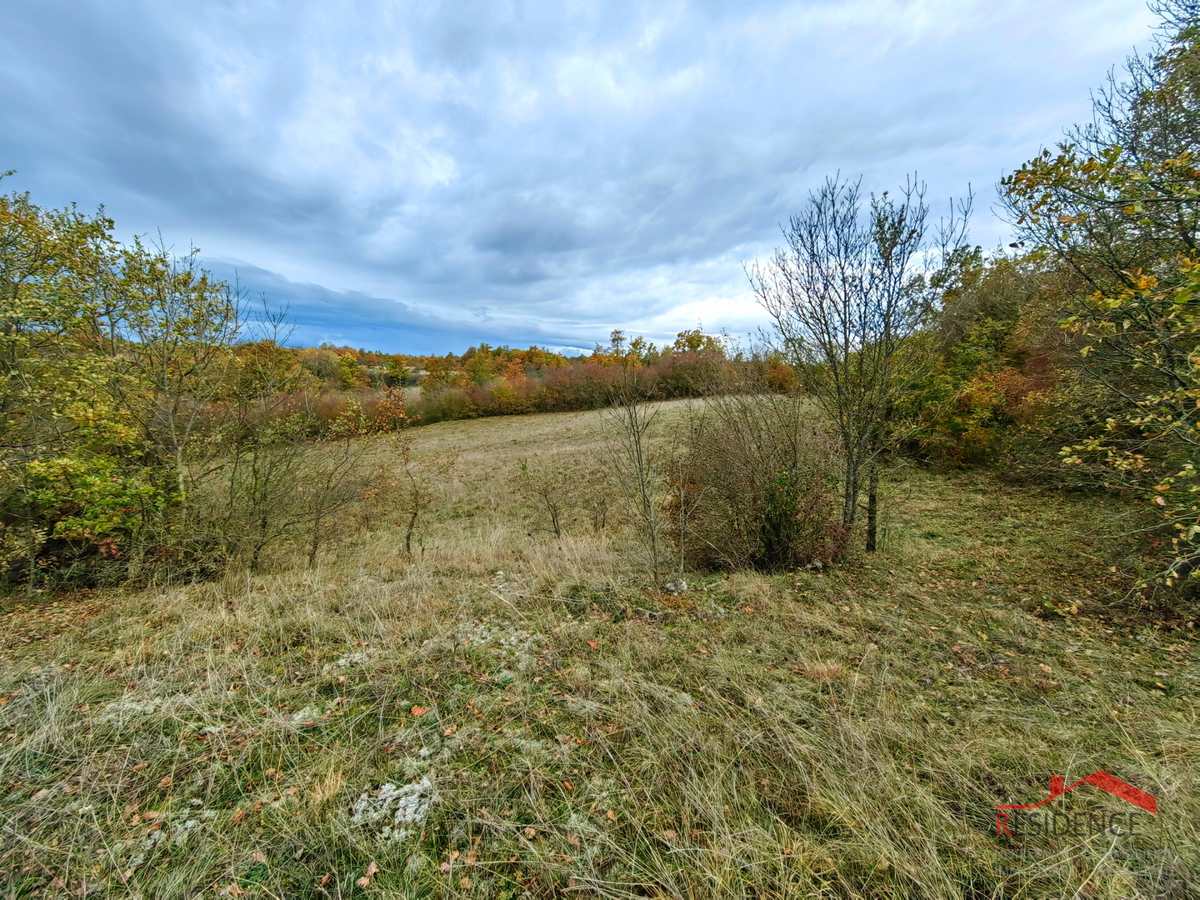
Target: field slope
509, 714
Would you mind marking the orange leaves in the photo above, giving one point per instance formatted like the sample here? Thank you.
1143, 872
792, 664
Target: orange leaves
418, 711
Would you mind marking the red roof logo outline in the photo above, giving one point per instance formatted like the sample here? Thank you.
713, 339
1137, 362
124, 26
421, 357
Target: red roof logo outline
1102, 780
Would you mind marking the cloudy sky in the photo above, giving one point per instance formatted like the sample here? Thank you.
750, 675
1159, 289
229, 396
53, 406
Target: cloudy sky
421, 176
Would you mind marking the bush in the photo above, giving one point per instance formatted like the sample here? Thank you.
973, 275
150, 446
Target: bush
754, 485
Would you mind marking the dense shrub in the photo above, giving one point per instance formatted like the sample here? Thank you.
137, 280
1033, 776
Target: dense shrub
754, 486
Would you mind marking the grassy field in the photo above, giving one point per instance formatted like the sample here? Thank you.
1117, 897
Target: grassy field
507, 714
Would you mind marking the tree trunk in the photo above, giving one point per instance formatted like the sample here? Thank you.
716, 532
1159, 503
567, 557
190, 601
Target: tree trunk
873, 507
314, 546
850, 497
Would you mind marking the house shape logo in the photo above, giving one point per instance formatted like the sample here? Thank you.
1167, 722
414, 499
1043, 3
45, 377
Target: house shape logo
1102, 780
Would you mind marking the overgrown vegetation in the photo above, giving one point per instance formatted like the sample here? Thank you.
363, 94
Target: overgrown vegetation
512, 714
755, 486
264, 637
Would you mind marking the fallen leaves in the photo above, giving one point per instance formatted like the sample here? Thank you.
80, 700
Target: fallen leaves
39, 621
418, 711
372, 871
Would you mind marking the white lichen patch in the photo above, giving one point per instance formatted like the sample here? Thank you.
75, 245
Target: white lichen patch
127, 709
354, 659
394, 812
582, 707
307, 716
513, 648
174, 830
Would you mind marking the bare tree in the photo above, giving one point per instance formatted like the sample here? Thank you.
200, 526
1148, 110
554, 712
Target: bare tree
548, 486
849, 296
635, 464
416, 481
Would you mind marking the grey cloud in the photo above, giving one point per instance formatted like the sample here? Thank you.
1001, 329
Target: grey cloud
565, 167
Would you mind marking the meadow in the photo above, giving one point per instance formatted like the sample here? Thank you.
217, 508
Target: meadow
508, 713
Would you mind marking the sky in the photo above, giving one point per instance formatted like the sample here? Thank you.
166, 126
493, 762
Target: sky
421, 177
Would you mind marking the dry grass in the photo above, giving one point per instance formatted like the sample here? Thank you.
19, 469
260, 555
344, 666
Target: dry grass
548, 725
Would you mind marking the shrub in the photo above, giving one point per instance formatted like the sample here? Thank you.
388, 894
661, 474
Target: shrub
754, 486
